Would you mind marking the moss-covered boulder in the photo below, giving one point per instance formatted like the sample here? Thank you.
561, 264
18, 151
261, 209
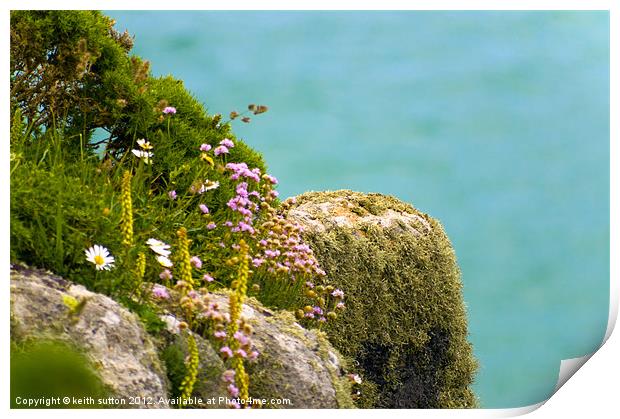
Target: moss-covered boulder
405, 323
296, 368
45, 306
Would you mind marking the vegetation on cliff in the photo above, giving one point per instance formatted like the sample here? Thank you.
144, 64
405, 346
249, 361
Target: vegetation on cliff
124, 183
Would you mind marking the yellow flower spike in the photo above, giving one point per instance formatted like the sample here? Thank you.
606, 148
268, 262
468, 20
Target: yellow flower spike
126, 210
141, 265
240, 289
187, 385
183, 257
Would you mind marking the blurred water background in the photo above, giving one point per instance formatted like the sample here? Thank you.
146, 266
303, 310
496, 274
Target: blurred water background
496, 123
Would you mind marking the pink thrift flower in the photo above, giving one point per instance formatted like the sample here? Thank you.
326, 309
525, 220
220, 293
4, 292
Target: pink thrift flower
170, 110
241, 353
225, 350
228, 376
207, 278
220, 150
172, 195
227, 143
253, 355
160, 292
338, 293
220, 334
195, 262
211, 225
257, 262
204, 208
205, 147
233, 391
243, 339
165, 275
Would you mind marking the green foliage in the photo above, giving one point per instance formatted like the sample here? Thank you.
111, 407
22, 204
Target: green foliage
68, 65
405, 323
50, 369
174, 359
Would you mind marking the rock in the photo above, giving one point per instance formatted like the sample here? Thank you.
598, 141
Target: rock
113, 338
405, 323
297, 367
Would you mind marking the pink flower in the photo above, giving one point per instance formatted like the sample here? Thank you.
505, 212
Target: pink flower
211, 225
172, 195
160, 292
338, 293
253, 355
241, 353
257, 262
243, 339
271, 179
220, 150
272, 253
228, 376
204, 208
233, 390
170, 110
195, 262
227, 143
207, 278
220, 334
225, 350
165, 275
205, 147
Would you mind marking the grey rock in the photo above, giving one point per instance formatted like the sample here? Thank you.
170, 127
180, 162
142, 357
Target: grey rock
113, 338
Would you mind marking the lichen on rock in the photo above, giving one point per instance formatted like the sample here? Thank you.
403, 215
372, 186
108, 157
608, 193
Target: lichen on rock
405, 323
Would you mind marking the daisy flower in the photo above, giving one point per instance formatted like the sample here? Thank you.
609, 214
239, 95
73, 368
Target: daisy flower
208, 185
144, 145
100, 256
159, 247
164, 261
144, 155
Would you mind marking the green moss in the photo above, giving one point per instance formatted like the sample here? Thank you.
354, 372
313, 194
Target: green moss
405, 323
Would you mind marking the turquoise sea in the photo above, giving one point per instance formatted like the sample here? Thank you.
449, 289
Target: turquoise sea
496, 123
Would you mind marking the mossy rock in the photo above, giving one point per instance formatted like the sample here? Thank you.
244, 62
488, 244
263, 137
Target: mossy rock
405, 322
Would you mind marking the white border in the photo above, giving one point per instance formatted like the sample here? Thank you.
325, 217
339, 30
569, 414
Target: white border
593, 389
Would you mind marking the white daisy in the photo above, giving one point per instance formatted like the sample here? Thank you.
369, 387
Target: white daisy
164, 261
208, 185
144, 155
159, 247
144, 145
100, 256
